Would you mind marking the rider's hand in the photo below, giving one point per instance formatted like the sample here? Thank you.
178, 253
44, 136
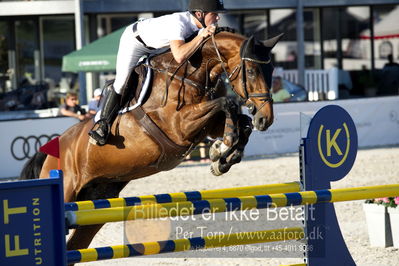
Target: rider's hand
208, 31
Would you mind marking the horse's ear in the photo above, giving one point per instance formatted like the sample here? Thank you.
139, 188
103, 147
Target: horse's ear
251, 41
248, 47
270, 43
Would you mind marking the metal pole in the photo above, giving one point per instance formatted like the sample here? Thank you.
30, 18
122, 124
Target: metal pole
300, 43
79, 33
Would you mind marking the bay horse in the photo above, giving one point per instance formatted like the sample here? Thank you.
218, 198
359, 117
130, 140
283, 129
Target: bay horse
186, 103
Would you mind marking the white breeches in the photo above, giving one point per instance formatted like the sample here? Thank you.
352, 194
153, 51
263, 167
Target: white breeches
129, 53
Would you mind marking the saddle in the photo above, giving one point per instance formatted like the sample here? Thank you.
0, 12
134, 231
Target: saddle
137, 87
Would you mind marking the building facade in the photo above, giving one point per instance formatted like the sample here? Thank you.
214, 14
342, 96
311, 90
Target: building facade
353, 35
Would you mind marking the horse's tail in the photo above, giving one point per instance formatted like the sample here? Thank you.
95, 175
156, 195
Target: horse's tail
33, 166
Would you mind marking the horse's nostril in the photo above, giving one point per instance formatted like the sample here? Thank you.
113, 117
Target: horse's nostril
262, 123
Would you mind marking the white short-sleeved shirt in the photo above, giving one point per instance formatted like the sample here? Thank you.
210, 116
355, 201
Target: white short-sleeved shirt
158, 32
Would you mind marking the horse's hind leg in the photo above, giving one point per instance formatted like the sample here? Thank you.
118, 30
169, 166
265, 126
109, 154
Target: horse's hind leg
82, 236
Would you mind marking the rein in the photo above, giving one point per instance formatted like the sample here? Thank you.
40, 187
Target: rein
173, 75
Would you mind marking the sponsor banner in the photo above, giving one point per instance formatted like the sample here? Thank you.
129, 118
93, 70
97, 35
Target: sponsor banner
376, 120
21, 139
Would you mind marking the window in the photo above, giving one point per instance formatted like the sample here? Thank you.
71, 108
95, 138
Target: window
255, 23
386, 33
344, 45
356, 50
110, 23
284, 21
312, 38
58, 40
246, 22
25, 52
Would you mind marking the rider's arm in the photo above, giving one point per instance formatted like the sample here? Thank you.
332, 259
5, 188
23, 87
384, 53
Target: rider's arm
182, 50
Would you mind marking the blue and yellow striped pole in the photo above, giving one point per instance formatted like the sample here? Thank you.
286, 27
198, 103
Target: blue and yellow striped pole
185, 208
184, 196
150, 248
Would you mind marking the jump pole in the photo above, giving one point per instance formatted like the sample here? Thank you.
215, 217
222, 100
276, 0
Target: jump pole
188, 208
184, 196
167, 246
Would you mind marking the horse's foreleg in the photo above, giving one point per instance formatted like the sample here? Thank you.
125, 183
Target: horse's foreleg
197, 116
224, 163
230, 135
222, 149
245, 130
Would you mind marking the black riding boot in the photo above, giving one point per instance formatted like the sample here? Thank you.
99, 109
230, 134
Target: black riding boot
100, 132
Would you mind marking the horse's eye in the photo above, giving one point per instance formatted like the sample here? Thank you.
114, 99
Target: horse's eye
251, 73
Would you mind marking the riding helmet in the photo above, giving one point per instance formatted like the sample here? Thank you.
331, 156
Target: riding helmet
206, 6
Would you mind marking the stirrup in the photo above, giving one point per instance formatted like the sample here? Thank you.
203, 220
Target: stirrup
95, 136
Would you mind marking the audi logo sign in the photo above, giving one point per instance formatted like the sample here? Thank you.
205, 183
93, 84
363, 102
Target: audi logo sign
22, 138
25, 147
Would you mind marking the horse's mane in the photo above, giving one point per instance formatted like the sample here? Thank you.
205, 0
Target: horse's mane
225, 29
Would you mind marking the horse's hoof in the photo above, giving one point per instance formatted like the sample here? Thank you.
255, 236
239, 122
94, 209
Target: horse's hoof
215, 169
214, 151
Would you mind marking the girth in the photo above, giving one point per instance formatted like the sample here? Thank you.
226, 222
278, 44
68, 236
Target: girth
171, 153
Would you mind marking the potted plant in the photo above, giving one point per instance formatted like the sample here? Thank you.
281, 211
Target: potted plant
393, 211
378, 223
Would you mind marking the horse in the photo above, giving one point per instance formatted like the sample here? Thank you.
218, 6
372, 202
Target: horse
187, 102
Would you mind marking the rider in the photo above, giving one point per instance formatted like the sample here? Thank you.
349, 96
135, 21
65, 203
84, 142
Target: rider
154, 36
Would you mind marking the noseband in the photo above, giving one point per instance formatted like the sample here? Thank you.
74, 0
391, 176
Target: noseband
266, 96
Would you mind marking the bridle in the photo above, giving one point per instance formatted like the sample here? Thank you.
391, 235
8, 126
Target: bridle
246, 98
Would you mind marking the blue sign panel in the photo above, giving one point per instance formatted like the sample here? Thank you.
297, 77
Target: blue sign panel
333, 143
32, 230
